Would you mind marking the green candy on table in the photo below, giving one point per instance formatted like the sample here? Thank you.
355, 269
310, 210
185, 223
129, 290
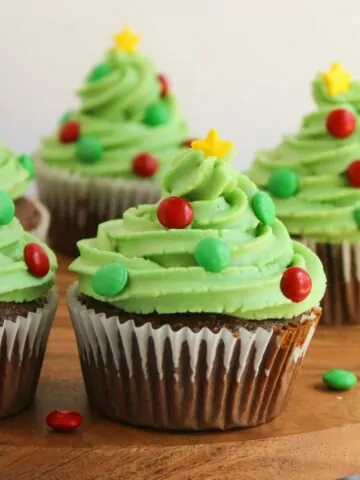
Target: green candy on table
110, 279
338, 379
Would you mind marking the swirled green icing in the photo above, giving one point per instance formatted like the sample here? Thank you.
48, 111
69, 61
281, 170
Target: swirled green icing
17, 283
113, 110
14, 178
323, 98
324, 205
163, 274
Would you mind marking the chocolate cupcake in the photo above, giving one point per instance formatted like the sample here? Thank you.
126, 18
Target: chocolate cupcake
314, 179
195, 313
16, 172
111, 154
27, 307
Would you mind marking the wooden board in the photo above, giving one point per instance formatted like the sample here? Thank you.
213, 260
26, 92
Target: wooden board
317, 437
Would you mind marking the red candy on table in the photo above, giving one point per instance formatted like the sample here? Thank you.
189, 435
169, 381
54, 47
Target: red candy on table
145, 165
69, 132
341, 123
165, 86
296, 284
36, 259
64, 420
353, 173
175, 212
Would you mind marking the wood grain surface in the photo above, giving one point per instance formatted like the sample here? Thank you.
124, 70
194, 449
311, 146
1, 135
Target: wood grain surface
317, 437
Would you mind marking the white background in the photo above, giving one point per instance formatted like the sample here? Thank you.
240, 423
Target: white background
243, 67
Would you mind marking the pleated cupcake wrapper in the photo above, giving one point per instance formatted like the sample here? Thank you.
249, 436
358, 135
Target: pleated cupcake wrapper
42, 229
22, 347
342, 268
78, 203
182, 380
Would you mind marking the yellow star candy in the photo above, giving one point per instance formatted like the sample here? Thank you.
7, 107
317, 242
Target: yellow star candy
127, 40
213, 145
337, 80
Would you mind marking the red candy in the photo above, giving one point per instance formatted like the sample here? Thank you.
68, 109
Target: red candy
296, 284
341, 123
353, 173
36, 259
175, 212
145, 165
165, 86
64, 420
188, 142
69, 132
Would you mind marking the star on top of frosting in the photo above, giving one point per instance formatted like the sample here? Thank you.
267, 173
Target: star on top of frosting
337, 79
213, 145
127, 40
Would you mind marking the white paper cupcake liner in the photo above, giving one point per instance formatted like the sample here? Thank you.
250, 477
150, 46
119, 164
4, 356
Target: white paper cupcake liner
184, 380
22, 347
78, 203
342, 268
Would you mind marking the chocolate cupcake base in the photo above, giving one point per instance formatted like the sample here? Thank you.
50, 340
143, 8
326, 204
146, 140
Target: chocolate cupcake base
24, 330
78, 204
341, 263
172, 378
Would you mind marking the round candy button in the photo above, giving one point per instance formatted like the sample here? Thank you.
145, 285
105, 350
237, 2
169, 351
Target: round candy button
36, 259
213, 254
175, 212
341, 123
69, 132
264, 208
145, 165
353, 173
296, 284
110, 279
89, 150
165, 86
338, 379
7, 208
27, 162
157, 114
99, 72
64, 420
283, 183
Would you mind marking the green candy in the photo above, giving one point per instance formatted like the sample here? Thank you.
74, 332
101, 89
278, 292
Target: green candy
357, 216
100, 71
157, 114
89, 150
264, 208
283, 183
65, 117
7, 209
338, 379
27, 163
212, 254
110, 280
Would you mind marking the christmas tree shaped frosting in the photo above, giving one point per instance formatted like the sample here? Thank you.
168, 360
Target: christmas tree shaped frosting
129, 123
212, 244
314, 176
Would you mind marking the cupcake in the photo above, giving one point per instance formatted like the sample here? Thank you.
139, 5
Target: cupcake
16, 172
111, 153
314, 179
27, 307
336, 87
194, 313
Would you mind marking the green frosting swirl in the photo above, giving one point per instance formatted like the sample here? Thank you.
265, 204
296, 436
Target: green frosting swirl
163, 274
113, 109
17, 283
324, 205
323, 98
14, 178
